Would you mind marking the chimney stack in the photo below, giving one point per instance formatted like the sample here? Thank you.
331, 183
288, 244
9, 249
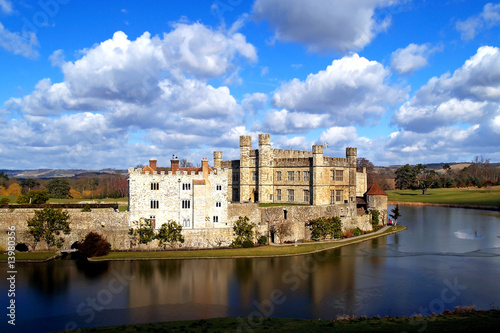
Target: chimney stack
174, 162
152, 164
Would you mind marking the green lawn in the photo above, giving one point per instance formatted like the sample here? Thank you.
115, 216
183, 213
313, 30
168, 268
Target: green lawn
459, 196
30, 255
478, 321
262, 251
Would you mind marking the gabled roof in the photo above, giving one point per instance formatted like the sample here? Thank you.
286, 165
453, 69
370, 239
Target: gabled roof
375, 189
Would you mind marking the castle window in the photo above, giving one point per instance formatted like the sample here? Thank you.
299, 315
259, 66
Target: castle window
278, 176
155, 204
186, 222
339, 175
218, 187
155, 186
298, 175
254, 175
332, 175
216, 219
291, 195
307, 176
218, 204
152, 220
186, 186
186, 204
290, 176
339, 195
332, 197
236, 176
306, 196
236, 194
278, 195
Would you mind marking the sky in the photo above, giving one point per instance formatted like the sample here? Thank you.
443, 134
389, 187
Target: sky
111, 84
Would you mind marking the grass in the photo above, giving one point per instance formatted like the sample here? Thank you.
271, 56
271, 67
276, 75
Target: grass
475, 321
459, 196
262, 251
13, 199
30, 256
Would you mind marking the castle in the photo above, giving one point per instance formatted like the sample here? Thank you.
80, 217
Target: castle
208, 199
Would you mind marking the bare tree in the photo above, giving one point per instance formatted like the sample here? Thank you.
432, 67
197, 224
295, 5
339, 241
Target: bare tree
281, 228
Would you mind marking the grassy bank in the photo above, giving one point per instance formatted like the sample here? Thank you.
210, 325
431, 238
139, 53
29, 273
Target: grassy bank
30, 256
262, 251
458, 196
476, 321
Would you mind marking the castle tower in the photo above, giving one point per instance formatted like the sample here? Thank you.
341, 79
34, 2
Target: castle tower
351, 154
317, 175
217, 160
245, 172
265, 171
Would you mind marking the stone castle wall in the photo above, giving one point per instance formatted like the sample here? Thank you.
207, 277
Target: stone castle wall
107, 222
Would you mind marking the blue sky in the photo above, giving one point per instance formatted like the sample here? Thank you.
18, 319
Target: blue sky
111, 84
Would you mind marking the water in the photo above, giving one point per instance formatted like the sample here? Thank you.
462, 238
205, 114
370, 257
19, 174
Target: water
446, 257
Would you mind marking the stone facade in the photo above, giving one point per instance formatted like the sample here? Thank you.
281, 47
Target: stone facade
196, 198
268, 175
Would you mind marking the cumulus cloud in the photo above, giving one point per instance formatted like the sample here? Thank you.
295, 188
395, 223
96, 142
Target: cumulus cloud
352, 90
25, 44
411, 58
156, 86
489, 17
285, 122
323, 25
469, 96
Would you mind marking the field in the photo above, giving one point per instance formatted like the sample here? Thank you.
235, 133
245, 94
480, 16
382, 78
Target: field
122, 202
470, 321
457, 196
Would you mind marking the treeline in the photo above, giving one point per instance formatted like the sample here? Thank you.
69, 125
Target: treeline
82, 187
478, 174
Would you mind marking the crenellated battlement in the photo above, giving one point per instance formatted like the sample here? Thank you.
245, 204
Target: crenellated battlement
335, 161
287, 162
139, 171
289, 153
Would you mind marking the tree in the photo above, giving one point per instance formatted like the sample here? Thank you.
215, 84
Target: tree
185, 163
324, 227
370, 170
142, 233
28, 184
94, 245
395, 213
375, 217
281, 228
4, 202
33, 197
58, 188
243, 230
47, 225
425, 178
406, 177
4, 178
170, 234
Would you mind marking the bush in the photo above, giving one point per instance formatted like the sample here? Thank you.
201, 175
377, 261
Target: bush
323, 227
262, 240
375, 217
86, 208
4, 201
94, 245
357, 232
33, 197
348, 234
248, 243
243, 230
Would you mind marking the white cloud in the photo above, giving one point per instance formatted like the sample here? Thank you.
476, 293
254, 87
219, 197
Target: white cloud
25, 44
352, 90
6, 6
411, 58
322, 25
489, 17
469, 96
284, 122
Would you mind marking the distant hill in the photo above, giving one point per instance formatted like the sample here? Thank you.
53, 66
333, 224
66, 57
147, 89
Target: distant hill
59, 173
439, 166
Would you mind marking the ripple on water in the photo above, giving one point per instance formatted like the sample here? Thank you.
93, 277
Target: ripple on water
467, 234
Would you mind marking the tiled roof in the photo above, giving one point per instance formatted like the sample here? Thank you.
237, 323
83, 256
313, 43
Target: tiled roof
375, 189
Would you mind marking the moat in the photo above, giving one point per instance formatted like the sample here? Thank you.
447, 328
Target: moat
446, 257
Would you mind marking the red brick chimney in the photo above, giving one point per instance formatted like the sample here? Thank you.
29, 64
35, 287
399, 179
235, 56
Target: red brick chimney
152, 164
204, 167
174, 162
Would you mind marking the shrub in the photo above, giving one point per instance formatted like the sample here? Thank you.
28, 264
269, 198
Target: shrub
325, 226
348, 234
243, 230
170, 234
262, 240
4, 201
357, 232
94, 245
248, 243
375, 217
86, 208
33, 197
